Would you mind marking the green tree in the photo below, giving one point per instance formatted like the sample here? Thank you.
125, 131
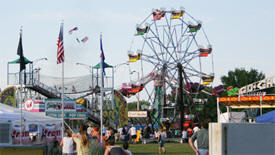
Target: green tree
240, 77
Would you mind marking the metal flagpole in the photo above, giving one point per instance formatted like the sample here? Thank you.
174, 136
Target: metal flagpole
20, 103
101, 93
63, 99
101, 103
20, 100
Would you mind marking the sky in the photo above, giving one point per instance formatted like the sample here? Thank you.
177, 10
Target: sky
242, 33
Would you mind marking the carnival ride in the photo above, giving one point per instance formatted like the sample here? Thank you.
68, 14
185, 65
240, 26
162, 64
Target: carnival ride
85, 90
174, 52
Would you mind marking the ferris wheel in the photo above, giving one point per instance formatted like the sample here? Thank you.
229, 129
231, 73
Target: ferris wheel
171, 49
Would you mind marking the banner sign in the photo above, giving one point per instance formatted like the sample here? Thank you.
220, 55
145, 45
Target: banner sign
55, 105
256, 86
247, 98
67, 115
15, 134
137, 113
51, 131
43, 131
33, 105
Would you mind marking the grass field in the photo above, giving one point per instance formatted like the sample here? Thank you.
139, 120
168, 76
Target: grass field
152, 149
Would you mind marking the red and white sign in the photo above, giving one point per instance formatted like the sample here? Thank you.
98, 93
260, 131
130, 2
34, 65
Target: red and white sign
137, 113
29, 104
33, 105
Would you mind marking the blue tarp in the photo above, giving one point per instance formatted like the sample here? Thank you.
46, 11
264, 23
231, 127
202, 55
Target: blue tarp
266, 118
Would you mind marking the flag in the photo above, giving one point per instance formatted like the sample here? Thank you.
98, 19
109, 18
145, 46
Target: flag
60, 47
73, 29
102, 55
77, 40
20, 53
84, 39
73, 89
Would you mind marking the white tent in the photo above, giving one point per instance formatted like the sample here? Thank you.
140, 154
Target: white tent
8, 113
232, 117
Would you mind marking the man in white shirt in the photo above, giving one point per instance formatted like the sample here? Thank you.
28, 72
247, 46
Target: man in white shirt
89, 130
184, 136
133, 133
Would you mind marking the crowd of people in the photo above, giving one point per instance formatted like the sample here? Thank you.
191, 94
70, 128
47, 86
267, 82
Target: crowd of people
87, 140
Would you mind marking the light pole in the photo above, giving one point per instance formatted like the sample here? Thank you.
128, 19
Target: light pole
89, 67
118, 65
138, 92
37, 70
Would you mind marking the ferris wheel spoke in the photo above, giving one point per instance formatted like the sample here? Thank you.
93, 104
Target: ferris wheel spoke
170, 35
149, 45
157, 37
161, 44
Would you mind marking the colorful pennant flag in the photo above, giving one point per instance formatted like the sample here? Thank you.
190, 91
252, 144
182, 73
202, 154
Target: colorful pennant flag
84, 39
73, 29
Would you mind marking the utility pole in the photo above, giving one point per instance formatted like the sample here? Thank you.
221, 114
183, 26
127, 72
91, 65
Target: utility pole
180, 98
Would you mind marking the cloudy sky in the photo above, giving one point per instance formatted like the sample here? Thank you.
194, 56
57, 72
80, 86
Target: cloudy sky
242, 32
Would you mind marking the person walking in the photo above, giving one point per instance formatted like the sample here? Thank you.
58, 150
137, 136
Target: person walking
82, 143
133, 133
67, 144
202, 140
184, 136
90, 130
161, 135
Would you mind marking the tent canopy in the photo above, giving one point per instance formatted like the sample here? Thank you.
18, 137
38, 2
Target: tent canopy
18, 61
266, 118
13, 114
105, 66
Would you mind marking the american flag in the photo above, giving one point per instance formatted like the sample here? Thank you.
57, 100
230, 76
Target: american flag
84, 39
60, 47
73, 29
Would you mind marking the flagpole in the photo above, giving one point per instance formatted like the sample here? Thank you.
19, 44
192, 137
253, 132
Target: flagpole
20, 103
20, 100
101, 93
63, 105
63, 99
60, 59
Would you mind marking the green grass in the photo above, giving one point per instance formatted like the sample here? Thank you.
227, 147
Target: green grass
152, 149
